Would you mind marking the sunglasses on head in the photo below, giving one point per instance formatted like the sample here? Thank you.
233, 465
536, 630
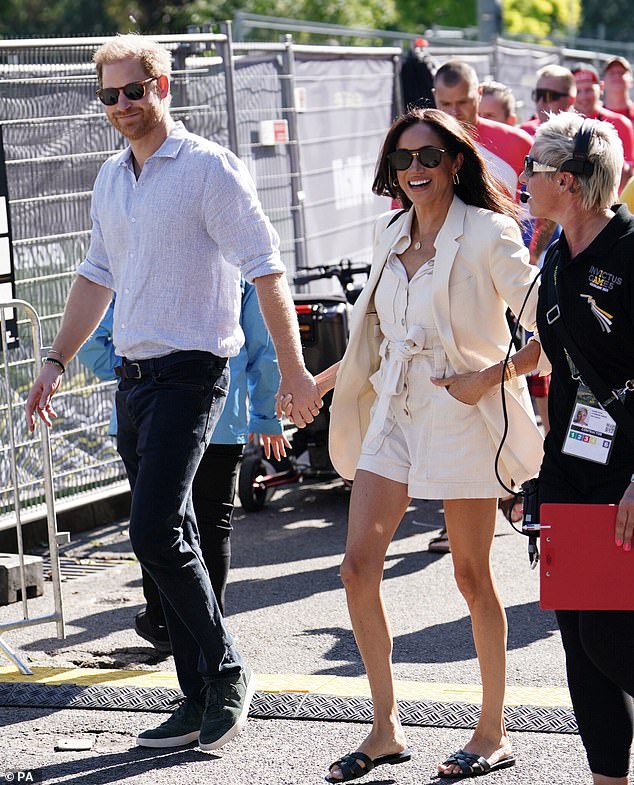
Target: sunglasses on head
531, 167
133, 91
544, 94
427, 156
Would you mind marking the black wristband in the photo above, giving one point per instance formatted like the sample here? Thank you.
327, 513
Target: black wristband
53, 361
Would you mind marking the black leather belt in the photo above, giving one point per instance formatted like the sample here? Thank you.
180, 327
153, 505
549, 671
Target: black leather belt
128, 371
137, 369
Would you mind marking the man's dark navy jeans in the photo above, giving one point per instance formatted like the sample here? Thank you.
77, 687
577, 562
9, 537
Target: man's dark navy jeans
165, 419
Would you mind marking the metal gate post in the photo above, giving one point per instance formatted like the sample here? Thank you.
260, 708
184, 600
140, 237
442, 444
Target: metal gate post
227, 63
297, 191
53, 536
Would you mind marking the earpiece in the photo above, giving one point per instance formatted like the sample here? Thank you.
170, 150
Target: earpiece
579, 163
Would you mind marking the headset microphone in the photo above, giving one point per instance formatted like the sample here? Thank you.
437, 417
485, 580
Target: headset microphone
524, 197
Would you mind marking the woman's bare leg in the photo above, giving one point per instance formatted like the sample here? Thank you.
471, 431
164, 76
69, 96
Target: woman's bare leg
471, 525
376, 508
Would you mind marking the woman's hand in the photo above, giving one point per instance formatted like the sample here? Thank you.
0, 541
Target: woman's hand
284, 405
465, 387
625, 520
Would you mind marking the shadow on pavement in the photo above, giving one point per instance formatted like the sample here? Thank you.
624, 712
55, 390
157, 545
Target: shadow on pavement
121, 766
527, 624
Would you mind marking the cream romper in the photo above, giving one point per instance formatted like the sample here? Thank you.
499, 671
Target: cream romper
419, 434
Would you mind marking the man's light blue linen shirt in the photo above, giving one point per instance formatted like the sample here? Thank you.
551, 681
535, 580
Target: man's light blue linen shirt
173, 243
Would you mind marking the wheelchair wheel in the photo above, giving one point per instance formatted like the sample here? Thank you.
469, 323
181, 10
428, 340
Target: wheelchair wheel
252, 497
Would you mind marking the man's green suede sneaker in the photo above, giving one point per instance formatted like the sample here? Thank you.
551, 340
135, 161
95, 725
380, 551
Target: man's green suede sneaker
181, 728
226, 709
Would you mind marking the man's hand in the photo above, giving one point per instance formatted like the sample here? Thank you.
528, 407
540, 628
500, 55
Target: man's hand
41, 393
625, 520
465, 387
298, 398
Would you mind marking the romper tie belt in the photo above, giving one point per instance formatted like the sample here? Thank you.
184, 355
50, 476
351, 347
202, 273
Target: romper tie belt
396, 357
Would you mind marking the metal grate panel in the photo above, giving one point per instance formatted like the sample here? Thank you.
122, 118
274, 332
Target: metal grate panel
285, 705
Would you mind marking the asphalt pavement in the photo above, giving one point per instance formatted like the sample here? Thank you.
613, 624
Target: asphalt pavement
287, 610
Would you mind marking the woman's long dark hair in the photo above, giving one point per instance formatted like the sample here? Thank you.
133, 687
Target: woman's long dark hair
476, 187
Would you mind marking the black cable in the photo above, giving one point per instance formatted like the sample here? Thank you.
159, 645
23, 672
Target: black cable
517, 495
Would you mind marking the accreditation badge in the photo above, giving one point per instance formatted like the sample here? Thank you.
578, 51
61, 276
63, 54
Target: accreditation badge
591, 430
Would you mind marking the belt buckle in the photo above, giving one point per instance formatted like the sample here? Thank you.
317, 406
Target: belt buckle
133, 370
553, 314
128, 371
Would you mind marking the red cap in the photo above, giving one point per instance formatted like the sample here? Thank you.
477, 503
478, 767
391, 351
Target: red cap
584, 72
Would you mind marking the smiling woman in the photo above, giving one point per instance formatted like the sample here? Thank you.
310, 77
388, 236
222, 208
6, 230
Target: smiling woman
404, 424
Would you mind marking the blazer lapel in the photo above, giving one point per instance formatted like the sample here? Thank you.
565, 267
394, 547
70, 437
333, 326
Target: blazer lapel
447, 247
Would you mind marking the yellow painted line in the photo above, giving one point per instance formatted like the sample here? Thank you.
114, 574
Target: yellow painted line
316, 685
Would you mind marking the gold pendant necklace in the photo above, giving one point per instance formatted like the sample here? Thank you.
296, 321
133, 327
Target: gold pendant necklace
417, 245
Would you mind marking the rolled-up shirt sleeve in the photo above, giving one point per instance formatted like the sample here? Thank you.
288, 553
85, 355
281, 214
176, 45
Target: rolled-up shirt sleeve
95, 267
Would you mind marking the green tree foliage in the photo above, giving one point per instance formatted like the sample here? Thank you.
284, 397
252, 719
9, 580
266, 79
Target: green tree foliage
541, 18
417, 15
37, 18
613, 20
28, 18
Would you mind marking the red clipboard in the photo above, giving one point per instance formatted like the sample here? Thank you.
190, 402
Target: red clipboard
580, 566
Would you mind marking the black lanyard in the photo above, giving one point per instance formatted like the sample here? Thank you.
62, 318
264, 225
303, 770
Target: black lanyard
609, 399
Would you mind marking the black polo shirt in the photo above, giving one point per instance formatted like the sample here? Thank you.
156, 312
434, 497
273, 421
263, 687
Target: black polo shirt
596, 299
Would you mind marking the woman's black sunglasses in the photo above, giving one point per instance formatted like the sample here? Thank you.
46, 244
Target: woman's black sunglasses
133, 91
428, 156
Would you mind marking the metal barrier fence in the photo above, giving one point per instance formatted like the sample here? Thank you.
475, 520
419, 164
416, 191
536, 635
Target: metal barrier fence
27, 459
307, 121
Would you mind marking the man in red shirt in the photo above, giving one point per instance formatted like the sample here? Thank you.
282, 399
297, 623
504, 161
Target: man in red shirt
457, 92
497, 102
588, 103
555, 91
617, 80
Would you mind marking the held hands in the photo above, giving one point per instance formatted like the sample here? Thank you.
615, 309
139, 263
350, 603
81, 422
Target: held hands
299, 399
40, 395
465, 387
625, 520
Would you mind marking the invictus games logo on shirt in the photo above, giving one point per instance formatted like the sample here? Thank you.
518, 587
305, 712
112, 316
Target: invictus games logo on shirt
600, 279
603, 317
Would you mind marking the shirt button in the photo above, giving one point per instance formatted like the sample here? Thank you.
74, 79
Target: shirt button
123, 326
133, 220
127, 291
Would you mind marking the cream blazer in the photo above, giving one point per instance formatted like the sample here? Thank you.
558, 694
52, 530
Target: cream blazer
481, 265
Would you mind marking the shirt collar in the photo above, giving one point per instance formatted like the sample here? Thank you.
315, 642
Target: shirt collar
169, 149
402, 240
606, 237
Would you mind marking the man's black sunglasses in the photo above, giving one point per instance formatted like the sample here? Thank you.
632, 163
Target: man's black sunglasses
428, 156
544, 94
133, 91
